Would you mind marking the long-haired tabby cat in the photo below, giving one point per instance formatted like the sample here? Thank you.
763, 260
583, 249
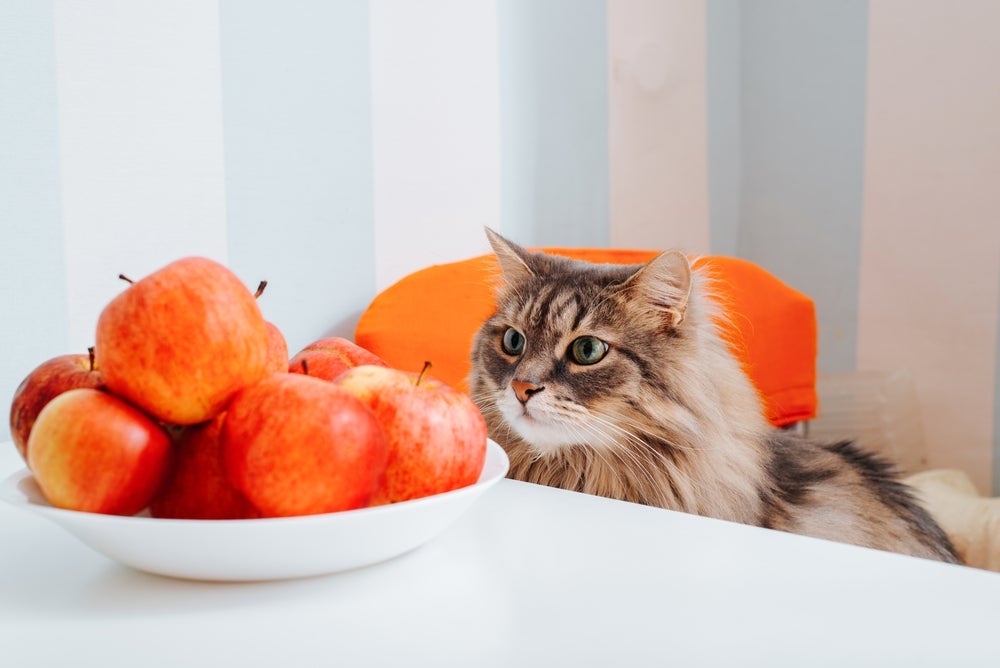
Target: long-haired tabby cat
613, 380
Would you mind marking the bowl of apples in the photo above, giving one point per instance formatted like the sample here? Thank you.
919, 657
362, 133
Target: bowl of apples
187, 443
263, 548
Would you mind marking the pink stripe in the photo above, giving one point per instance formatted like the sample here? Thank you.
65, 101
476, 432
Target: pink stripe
658, 128
930, 240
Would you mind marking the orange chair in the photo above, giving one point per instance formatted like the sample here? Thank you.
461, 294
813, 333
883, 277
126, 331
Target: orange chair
433, 314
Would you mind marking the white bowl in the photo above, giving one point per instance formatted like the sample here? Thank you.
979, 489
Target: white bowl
262, 549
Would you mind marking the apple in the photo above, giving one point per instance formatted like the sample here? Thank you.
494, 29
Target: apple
91, 451
297, 445
46, 381
436, 434
277, 349
182, 341
197, 488
329, 357
277, 346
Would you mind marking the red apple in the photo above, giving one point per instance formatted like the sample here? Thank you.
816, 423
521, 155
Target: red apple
277, 349
182, 341
197, 488
48, 380
91, 451
436, 434
328, 358
297, 445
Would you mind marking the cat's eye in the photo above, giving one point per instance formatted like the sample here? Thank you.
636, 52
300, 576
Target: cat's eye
513, 342
588, 350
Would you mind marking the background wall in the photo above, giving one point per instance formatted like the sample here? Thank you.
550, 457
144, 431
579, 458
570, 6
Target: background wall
851, 147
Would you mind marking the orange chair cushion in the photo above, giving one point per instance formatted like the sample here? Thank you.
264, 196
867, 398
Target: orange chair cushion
433, 314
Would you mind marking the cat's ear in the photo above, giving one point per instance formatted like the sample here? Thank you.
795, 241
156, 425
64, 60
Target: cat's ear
665, 282
513, 259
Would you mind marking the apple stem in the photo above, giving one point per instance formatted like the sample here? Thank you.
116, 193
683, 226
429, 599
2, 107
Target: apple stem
305, 367
427, 365
260, 290
90, 351
126, 278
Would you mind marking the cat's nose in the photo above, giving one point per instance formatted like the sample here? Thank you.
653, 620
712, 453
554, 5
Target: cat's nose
523, 389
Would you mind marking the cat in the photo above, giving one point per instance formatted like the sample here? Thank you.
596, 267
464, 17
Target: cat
613, 380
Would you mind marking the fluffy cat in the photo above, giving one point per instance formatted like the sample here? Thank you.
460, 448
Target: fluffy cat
613, 380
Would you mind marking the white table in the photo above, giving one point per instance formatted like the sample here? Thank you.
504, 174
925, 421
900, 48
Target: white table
529, 576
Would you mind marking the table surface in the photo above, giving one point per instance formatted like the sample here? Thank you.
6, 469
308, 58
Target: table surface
528, 576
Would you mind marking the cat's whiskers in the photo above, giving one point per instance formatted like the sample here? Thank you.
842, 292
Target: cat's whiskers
619, 443
637, 453
637, 440
631, 463
579, 431
645, 431
671, 420
635, 465
633, 449
583, 433
487, 404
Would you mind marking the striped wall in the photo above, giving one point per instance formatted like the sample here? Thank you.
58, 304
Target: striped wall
851, 147
298, 158
802, 155
930, 247
657, 133
554, 187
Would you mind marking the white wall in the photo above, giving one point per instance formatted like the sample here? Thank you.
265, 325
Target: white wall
436, 129
850, 147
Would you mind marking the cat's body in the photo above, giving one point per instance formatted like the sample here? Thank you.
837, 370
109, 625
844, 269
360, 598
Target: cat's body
613, 380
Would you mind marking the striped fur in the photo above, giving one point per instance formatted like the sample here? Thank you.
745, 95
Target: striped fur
667, 417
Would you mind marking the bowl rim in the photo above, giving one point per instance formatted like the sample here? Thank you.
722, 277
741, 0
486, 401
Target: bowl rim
12, 490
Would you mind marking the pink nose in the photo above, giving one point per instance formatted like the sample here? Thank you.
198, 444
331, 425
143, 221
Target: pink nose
524, 389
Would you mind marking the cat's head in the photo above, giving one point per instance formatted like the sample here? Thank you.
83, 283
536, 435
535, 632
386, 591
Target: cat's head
589, 354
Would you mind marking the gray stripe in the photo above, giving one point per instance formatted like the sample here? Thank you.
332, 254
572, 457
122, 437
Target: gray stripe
723, 71
802, 118
296, 82
33, 300
554, 122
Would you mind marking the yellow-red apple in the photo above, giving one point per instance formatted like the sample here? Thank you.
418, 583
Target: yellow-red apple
436, 434
329, 357
92, 451
298, 445
277, 349
45, 382
197, 488
277, 346
182, 341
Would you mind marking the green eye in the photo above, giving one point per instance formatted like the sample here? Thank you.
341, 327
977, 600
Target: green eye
513, 342
588, 350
